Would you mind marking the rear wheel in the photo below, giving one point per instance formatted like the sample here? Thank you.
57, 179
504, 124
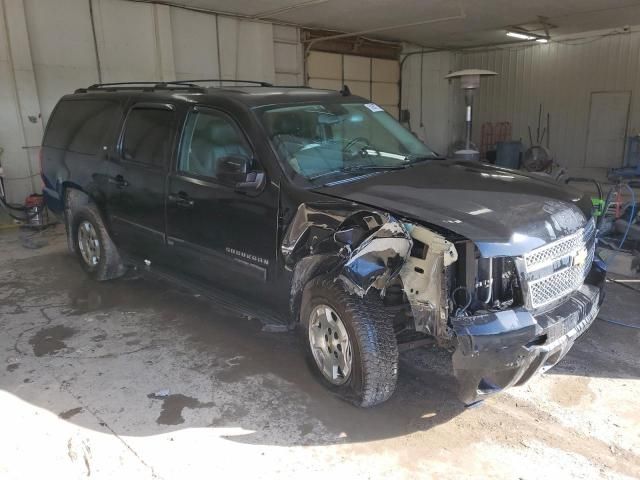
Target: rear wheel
349, 342
89, 244
93, 245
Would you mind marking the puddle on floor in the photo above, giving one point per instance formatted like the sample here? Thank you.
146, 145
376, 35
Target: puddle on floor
173, 405
50, 340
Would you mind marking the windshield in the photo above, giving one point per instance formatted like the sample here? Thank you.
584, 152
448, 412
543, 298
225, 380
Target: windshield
320, 141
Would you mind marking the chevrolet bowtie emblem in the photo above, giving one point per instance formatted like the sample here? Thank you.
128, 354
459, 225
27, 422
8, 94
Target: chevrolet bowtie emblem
580, 257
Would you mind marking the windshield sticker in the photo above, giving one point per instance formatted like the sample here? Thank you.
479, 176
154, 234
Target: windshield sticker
373, 107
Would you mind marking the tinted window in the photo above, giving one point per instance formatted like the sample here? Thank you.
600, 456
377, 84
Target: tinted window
208, 138
148, 136
82, 125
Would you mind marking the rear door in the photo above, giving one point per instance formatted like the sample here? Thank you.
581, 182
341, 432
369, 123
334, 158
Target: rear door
138, 178
215, 232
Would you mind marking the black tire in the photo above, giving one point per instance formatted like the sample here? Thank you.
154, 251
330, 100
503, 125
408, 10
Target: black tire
374, 370
109, 265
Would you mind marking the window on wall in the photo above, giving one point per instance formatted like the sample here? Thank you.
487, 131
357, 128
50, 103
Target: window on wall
148, 136
209, 138
372, 78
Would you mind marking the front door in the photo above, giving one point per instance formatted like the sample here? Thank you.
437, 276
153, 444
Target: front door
215, 232
137, 180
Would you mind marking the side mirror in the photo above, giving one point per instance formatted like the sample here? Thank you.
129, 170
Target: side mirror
236, 170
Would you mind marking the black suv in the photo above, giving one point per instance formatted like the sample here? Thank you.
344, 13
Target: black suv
318, 209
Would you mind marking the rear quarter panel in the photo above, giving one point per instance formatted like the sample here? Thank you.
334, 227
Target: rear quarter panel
63, 167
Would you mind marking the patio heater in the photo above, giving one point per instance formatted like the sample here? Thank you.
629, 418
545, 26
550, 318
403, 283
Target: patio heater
470, 82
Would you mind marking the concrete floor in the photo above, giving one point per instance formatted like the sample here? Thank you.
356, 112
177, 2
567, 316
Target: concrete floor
85, 365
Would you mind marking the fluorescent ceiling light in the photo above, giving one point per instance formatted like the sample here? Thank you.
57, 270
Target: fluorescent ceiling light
524, 35
519, 35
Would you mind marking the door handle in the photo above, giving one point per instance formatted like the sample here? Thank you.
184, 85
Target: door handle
118, 181
181, 199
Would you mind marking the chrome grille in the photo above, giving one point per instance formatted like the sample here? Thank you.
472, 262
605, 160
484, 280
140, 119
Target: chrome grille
560, 248
550, 287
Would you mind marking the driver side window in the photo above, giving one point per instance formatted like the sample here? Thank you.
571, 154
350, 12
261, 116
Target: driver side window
209, 138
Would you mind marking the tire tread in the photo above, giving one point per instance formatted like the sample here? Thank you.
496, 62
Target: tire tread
111, 265
376, 341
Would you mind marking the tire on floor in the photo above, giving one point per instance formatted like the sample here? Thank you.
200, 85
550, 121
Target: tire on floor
103, 262
374, 367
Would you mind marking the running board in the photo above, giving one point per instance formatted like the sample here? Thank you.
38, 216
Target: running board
271, 321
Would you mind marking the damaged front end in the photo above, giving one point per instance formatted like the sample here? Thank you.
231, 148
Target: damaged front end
497, 350
553, 295
377, 260
484, 310
365, 250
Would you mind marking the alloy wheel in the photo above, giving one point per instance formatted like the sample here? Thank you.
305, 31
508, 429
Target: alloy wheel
89, 243
330, 344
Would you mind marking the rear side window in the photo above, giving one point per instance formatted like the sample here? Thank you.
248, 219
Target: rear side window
148, 136
82, 126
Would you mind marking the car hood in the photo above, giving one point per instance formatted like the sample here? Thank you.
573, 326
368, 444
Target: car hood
503, 211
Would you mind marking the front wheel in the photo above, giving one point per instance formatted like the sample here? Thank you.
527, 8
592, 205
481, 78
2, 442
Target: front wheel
349, 342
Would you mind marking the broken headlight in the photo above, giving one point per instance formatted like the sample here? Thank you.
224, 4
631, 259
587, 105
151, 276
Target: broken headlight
481, 284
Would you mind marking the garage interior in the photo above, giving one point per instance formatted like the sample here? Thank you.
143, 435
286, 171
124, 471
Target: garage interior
143, 379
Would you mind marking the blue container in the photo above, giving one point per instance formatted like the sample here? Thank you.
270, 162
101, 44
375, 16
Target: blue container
508, 154
632, 154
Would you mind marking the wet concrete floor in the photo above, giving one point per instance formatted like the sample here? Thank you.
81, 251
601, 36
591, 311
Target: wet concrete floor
138, 378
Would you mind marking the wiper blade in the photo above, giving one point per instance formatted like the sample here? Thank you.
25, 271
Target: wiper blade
358, 168
411, 159
375, 167
325, 174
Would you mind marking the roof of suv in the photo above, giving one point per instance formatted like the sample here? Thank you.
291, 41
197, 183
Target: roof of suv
257, 96
251, 96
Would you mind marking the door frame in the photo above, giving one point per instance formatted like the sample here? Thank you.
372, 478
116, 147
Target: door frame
226, 259
121, 163
626, 124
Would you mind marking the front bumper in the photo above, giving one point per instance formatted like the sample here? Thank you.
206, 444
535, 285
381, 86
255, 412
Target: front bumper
501, 349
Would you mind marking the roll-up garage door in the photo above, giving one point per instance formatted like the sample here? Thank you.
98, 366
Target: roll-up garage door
373, 78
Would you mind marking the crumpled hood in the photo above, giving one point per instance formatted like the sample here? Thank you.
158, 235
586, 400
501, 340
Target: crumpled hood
503, 211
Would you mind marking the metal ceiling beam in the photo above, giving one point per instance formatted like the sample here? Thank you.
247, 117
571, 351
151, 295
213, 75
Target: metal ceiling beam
215, 12
278, 11
461, 16
262, 17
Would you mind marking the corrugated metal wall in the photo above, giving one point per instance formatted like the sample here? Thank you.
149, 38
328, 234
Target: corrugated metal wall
562, 77
429, 97
47, 50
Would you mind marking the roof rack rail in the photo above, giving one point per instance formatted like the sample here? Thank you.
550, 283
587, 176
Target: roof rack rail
168, 85
145, 86
221, 80
295, 86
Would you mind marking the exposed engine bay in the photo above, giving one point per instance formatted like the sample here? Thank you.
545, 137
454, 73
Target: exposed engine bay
437, 278
439, 284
